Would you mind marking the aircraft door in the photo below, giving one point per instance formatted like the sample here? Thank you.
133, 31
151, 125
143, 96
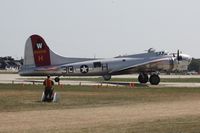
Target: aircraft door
100, 67
105, 67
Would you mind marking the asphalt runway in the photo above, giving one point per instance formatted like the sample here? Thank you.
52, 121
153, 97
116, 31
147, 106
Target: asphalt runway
16, 79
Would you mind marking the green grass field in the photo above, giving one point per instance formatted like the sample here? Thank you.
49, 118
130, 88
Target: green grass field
17, 98
27, 97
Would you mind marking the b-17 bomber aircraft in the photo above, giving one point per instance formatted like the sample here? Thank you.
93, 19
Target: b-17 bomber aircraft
39, 60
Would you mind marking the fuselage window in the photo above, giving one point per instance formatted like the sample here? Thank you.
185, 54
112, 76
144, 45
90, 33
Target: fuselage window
97, 64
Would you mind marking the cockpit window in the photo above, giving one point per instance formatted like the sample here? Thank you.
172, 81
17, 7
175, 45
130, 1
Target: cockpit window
161, 53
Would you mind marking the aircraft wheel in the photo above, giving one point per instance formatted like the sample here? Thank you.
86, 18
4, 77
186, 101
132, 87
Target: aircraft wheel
57, 79
107, 77
154, 79
143, 78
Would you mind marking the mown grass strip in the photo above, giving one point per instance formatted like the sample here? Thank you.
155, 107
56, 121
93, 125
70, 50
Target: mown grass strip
27, 97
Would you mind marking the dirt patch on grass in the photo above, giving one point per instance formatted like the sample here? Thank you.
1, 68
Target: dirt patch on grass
84, 119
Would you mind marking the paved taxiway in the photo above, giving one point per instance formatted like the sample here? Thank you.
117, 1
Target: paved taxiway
15, 78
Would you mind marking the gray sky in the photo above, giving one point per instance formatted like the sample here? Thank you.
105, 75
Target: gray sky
105, 28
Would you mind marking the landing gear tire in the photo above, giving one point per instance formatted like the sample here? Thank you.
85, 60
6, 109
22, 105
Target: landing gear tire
107, 77
154, 79
57, 79
143, 78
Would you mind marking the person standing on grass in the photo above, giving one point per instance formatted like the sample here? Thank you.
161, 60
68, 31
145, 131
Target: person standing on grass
48, 83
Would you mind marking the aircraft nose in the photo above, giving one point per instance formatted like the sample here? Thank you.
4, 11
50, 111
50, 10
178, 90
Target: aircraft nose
190, 59
187, 58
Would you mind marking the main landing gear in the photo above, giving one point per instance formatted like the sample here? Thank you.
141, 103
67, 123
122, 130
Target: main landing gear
154, 78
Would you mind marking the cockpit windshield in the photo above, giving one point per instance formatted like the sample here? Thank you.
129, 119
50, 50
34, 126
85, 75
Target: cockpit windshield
152, 50
162, 53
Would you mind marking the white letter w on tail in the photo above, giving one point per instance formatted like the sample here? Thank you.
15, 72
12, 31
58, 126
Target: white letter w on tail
39, 45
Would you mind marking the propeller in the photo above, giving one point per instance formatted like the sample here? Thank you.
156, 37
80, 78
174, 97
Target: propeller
179, 57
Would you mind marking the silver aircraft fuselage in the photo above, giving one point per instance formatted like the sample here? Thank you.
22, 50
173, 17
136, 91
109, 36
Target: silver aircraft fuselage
145, 62
39, 60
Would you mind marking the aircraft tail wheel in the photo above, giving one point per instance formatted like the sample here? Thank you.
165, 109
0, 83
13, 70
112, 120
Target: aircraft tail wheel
57, 79
107, 77
154, 79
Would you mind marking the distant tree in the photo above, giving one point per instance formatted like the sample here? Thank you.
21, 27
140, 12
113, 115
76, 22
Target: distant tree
194, 65
8, 58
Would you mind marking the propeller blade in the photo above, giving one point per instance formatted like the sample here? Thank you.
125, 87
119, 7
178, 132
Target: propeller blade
178, 55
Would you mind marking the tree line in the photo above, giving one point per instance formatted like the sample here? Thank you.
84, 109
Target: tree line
194, 65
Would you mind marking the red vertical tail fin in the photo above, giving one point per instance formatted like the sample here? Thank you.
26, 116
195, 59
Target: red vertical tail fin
41, 51
38, 54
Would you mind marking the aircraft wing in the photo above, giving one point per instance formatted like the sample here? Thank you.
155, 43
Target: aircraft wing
147, 66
